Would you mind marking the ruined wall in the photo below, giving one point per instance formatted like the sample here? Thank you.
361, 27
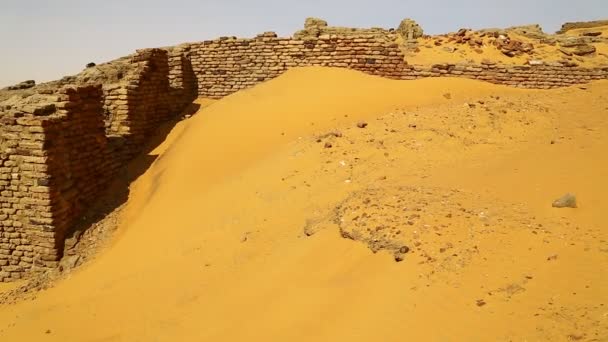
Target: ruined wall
226, 65
52, 170
66, 140
521, 76
159, 86
61, 147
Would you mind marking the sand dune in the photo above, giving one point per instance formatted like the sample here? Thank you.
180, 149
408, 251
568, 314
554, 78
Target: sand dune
270, 215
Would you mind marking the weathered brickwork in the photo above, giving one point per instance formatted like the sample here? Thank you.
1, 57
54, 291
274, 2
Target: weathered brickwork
51, 172
226, 65
61, 147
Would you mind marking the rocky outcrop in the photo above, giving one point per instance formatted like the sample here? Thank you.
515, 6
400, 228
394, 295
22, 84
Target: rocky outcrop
530, 31
583, 24
579, 46
315, 27
408, 29
22, 85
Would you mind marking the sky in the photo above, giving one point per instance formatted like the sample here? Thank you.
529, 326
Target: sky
48, 39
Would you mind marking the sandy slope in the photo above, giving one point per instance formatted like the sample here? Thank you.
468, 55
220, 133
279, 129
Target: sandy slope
235, 231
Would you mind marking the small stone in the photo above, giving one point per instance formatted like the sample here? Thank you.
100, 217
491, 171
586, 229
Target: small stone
481, 302
328, 145
361, 124
447, 96
566, 201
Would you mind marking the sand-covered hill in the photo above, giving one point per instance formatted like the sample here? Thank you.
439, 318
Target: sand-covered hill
280, 212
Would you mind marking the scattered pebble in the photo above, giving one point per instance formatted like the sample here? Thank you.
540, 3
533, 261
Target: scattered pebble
361, 124
481, 302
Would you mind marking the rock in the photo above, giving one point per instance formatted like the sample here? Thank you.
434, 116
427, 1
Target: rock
400, 254
591, 34
530, 31
328, 145
22, 85
90, 65
585, 24
69, 262
535, 62
361, 124
314, 22
566, 201
480, 302
582, 50
447, 96
462, 32
572, 42
409, 30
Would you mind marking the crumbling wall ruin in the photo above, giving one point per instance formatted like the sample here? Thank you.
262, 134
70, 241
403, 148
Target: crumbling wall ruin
61, 147
65, 141
226, 65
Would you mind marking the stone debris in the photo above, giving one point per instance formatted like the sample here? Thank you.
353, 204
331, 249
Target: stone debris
22, 85
409, 29
584, 24
566, 201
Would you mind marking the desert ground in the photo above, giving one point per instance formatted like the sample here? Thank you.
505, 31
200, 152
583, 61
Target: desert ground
330, 205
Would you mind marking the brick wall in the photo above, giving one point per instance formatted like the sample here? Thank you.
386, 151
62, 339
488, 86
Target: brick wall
226, 65
60, 148
52, 156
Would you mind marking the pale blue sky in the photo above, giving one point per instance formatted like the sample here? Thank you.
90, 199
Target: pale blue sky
47, 39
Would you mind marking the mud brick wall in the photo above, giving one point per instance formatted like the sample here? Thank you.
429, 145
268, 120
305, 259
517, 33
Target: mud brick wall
159, 87
521, 76
60, 149
53, 164
226, 65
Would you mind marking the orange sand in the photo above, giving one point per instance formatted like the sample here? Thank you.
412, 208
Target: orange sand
212, 246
